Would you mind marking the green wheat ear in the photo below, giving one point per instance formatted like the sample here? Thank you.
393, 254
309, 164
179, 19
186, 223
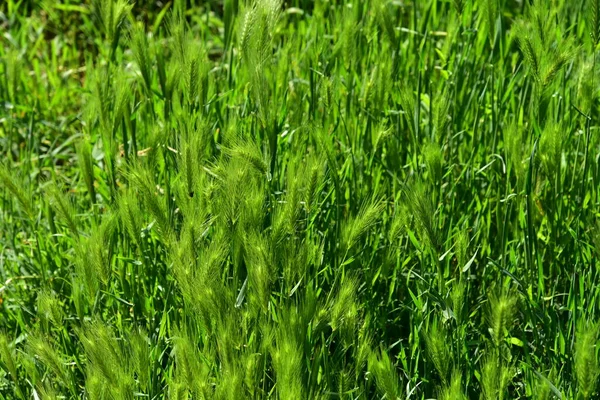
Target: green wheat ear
245, 30
93, 256
62, 204
501, 316
409, 103
355, 228
348, 29
149, 193
142, 52
491, 13
86, 164
285, 218
46, 391
421, 206
457, 297
31, 367
530, 52
384, 18
461, 243
386, 378
585, 91
86, 278
41, 348
314, 182
17, 189
258, 258
544, 56
383, 133
14, 63
130, 215
343, 308
256, 32
514, 137
551, 148
194, 71
191, 373
441, 114
9, 363
49, 310
586, 365
594, 21
111, 15
99, 248
496, 375
454, 389
434, 157
250, 152
364, 347
400, 219
436, 340
107, 362
288, 359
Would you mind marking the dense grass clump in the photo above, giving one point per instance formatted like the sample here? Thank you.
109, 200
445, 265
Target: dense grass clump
299, 199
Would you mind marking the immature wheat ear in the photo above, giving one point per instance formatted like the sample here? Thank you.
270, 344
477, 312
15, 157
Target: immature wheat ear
500, 316
437, 349
587, 369
384, 371
594, 21
454, 389
490, 8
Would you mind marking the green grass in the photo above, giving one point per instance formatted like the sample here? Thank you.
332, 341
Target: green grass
300, 200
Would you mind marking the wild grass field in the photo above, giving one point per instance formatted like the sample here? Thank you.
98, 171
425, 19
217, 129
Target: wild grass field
293, 199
